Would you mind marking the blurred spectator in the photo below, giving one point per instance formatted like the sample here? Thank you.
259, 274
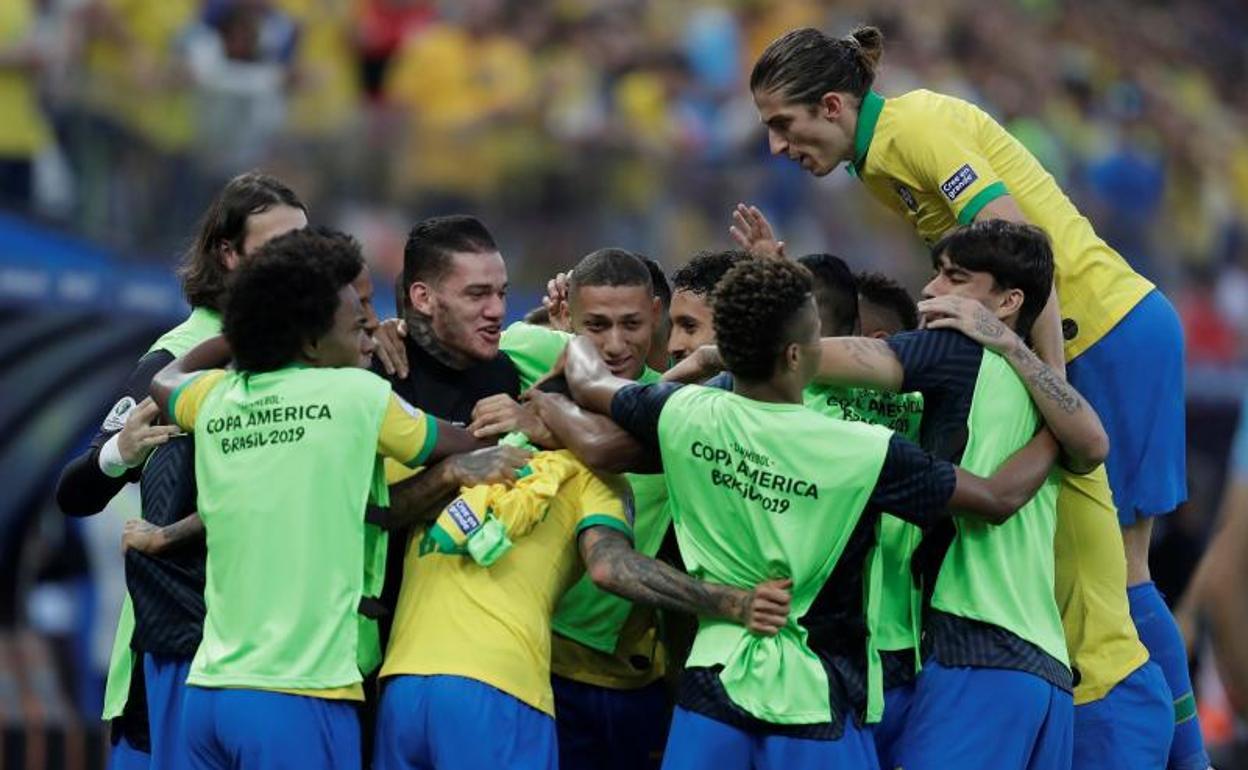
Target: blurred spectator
24, 132
381, 28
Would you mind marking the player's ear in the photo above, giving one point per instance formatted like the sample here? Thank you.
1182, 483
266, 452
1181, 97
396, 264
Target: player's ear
1011, 301
792, 357
420, 298
230, 258
656, 310
831, 105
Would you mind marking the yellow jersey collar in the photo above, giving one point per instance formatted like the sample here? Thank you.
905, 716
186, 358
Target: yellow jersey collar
868, 115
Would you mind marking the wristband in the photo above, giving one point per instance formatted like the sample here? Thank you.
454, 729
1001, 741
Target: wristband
110, 461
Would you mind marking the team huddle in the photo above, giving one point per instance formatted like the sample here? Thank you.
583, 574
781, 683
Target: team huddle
767, 513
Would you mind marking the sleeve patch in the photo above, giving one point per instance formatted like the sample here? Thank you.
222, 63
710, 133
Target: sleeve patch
959, 181
116, 419
463, 516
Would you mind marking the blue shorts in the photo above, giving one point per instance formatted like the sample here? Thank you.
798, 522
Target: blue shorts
701, 743
1130, 728
897, 701
986, 719
604, 729
126, 757
262, 730
456, 723
165, 680
1134, 377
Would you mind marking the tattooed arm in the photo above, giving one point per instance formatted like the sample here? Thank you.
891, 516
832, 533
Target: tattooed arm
860, 362
1073, 421
423, 496
614, 566
148, 538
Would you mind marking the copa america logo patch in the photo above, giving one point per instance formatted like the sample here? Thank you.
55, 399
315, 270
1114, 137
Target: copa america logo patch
961, 179
463, 516
116, 419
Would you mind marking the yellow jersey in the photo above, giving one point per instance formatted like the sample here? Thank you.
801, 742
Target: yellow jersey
1090, 581
24, 131
938, 160
492, 624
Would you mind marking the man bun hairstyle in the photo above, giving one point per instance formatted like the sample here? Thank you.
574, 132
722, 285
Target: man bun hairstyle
805, 64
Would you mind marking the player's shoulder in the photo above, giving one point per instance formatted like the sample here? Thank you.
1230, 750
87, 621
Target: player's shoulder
926, 114
520, 333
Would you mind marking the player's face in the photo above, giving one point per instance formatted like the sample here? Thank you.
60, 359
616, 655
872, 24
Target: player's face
348, 342
806, 134
363, 285
691, 325
264, 227
957, 281
809, 348
620, 320
466, 307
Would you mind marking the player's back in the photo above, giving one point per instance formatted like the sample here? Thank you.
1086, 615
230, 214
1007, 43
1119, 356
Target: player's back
285, 538
950, 158
758, 491
492, 624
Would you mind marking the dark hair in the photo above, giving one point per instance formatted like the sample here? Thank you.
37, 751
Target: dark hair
202, 270
753, 308
430, 243
1017, 256
836, 293
287, 295
879, 289
538, 316
805, 64
700, 274
610, 267
658, 278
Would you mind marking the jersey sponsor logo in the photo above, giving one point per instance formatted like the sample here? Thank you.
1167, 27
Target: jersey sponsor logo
116, 419
907, 197
961, 179
464, 517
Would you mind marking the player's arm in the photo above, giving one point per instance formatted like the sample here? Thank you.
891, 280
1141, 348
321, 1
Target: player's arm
127, 436
614, 566
846, 361
212, 353
1074, 422
594, 438
1046, 332
915, 486
421, 497
146, 537
452, 456
996, 498
591, 382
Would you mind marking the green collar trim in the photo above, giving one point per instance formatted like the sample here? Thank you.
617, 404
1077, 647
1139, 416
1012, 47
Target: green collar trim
868, 115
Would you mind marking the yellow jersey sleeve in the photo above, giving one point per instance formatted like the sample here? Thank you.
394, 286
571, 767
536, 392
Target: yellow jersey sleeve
397, 471
186, 399
603, 502
408, 434
940, 152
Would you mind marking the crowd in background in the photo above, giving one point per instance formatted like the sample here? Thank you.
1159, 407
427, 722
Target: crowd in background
575, 123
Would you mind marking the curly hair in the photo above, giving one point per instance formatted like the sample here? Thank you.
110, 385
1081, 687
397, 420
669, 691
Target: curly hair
700, 274
287, 295
202, 271
753, 308
880, 290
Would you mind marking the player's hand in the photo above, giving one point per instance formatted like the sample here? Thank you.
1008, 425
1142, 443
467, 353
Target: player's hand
501, 414
969, 317
699, 367
753, 232
139, 436
767, 609
142, 536
390, 348
556, 301
492, 465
